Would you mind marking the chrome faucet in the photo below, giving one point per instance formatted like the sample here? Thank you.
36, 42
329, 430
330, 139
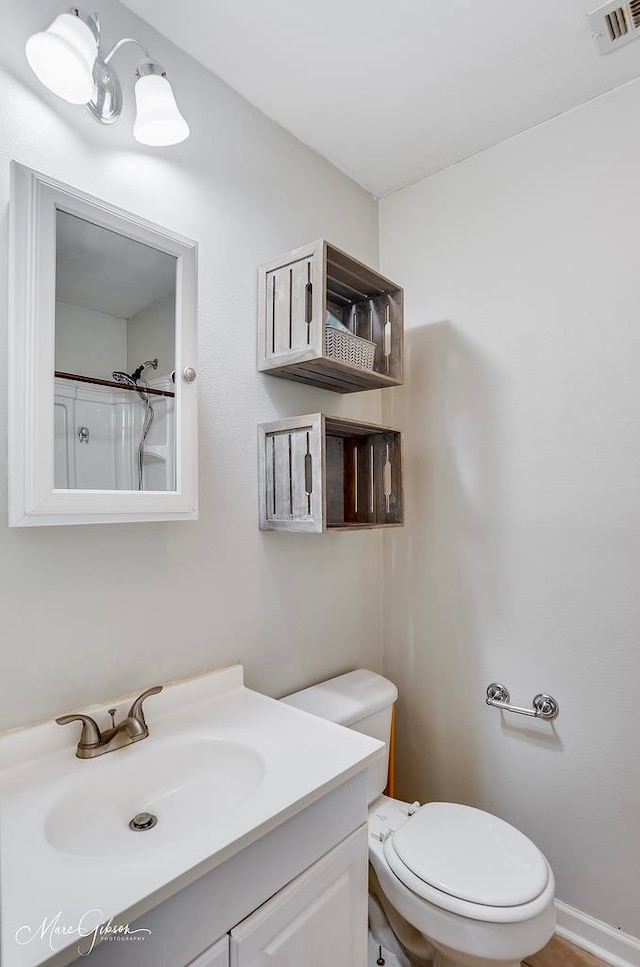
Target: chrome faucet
93, 742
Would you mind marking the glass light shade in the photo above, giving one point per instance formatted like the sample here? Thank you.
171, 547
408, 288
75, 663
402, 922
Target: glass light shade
158, 120
63, 56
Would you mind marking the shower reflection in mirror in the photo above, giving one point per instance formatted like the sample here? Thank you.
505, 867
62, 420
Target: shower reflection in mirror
114, 410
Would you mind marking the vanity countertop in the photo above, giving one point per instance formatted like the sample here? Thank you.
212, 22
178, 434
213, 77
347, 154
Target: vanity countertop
223, 765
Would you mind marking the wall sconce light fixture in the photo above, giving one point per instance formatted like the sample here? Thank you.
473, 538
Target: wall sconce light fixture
66, 58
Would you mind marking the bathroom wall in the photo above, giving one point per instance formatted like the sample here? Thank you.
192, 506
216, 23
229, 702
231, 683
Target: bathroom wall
151, 335
520, 561
88, 342
91, 611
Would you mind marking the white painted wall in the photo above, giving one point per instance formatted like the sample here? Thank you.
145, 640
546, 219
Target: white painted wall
90, 611
88, 342
151, 335
521, 560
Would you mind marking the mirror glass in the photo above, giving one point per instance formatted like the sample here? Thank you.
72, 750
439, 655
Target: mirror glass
115, 361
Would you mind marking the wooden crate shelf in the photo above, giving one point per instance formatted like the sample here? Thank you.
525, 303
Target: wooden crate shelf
320, 473
295, 293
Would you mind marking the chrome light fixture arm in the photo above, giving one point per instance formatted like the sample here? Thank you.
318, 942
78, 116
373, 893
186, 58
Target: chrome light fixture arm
106, 100
120, 43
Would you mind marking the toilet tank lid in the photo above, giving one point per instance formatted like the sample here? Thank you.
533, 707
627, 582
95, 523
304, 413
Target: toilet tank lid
348, 698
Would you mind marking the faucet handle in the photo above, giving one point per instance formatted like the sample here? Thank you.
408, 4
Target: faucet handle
136, 711
90, 735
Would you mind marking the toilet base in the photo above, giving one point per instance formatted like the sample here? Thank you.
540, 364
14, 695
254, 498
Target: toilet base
409, 946
441, 960
383, 934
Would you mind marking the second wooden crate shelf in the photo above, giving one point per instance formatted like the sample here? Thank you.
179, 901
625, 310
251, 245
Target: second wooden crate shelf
320, 473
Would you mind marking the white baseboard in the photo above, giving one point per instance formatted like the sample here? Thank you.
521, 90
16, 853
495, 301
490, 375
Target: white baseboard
601, 940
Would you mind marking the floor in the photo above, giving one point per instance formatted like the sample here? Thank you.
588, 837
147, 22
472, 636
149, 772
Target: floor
561, 953
557, 953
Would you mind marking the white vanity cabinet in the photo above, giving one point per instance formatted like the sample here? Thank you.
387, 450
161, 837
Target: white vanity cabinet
299, 888
324, 910
216, 956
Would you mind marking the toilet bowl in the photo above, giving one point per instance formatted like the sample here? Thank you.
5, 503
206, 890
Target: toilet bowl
437, 927
458, 887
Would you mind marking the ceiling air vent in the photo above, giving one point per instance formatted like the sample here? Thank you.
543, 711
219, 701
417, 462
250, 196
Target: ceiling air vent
615, 24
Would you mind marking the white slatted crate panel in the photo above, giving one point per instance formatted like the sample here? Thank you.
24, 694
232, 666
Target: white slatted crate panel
291, 475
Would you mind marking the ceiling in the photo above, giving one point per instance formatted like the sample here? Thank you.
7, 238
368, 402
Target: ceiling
99, 269
393, 90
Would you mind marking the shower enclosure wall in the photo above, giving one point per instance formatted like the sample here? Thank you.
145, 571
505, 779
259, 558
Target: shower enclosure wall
97, 433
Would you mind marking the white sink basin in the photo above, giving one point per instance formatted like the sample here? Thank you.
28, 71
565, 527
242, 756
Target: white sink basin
189, 783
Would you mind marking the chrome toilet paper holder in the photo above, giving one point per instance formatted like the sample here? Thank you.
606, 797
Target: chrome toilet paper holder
543, 706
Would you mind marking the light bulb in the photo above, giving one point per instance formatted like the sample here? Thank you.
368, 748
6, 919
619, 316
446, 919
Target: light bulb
158, 119
63, 56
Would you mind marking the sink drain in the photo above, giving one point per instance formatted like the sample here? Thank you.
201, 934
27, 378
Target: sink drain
142, 821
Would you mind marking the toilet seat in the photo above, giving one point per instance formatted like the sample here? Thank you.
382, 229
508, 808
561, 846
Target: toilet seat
467, 854
468, 861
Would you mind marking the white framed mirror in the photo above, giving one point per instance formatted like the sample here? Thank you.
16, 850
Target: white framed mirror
102, 361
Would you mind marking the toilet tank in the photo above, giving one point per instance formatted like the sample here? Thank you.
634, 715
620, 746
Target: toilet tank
360, 700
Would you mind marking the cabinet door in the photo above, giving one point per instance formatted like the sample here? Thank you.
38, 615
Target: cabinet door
320, 918
216, 956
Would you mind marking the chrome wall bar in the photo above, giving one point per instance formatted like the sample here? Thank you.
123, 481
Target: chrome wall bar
544, 706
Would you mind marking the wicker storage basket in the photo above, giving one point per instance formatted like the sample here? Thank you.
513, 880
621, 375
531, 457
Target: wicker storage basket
351, 349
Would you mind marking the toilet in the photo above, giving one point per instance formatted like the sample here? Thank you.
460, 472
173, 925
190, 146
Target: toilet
450, 885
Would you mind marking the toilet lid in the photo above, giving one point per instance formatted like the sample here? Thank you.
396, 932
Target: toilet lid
471, 855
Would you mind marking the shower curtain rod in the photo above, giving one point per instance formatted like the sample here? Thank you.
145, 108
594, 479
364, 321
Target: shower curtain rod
108, 382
